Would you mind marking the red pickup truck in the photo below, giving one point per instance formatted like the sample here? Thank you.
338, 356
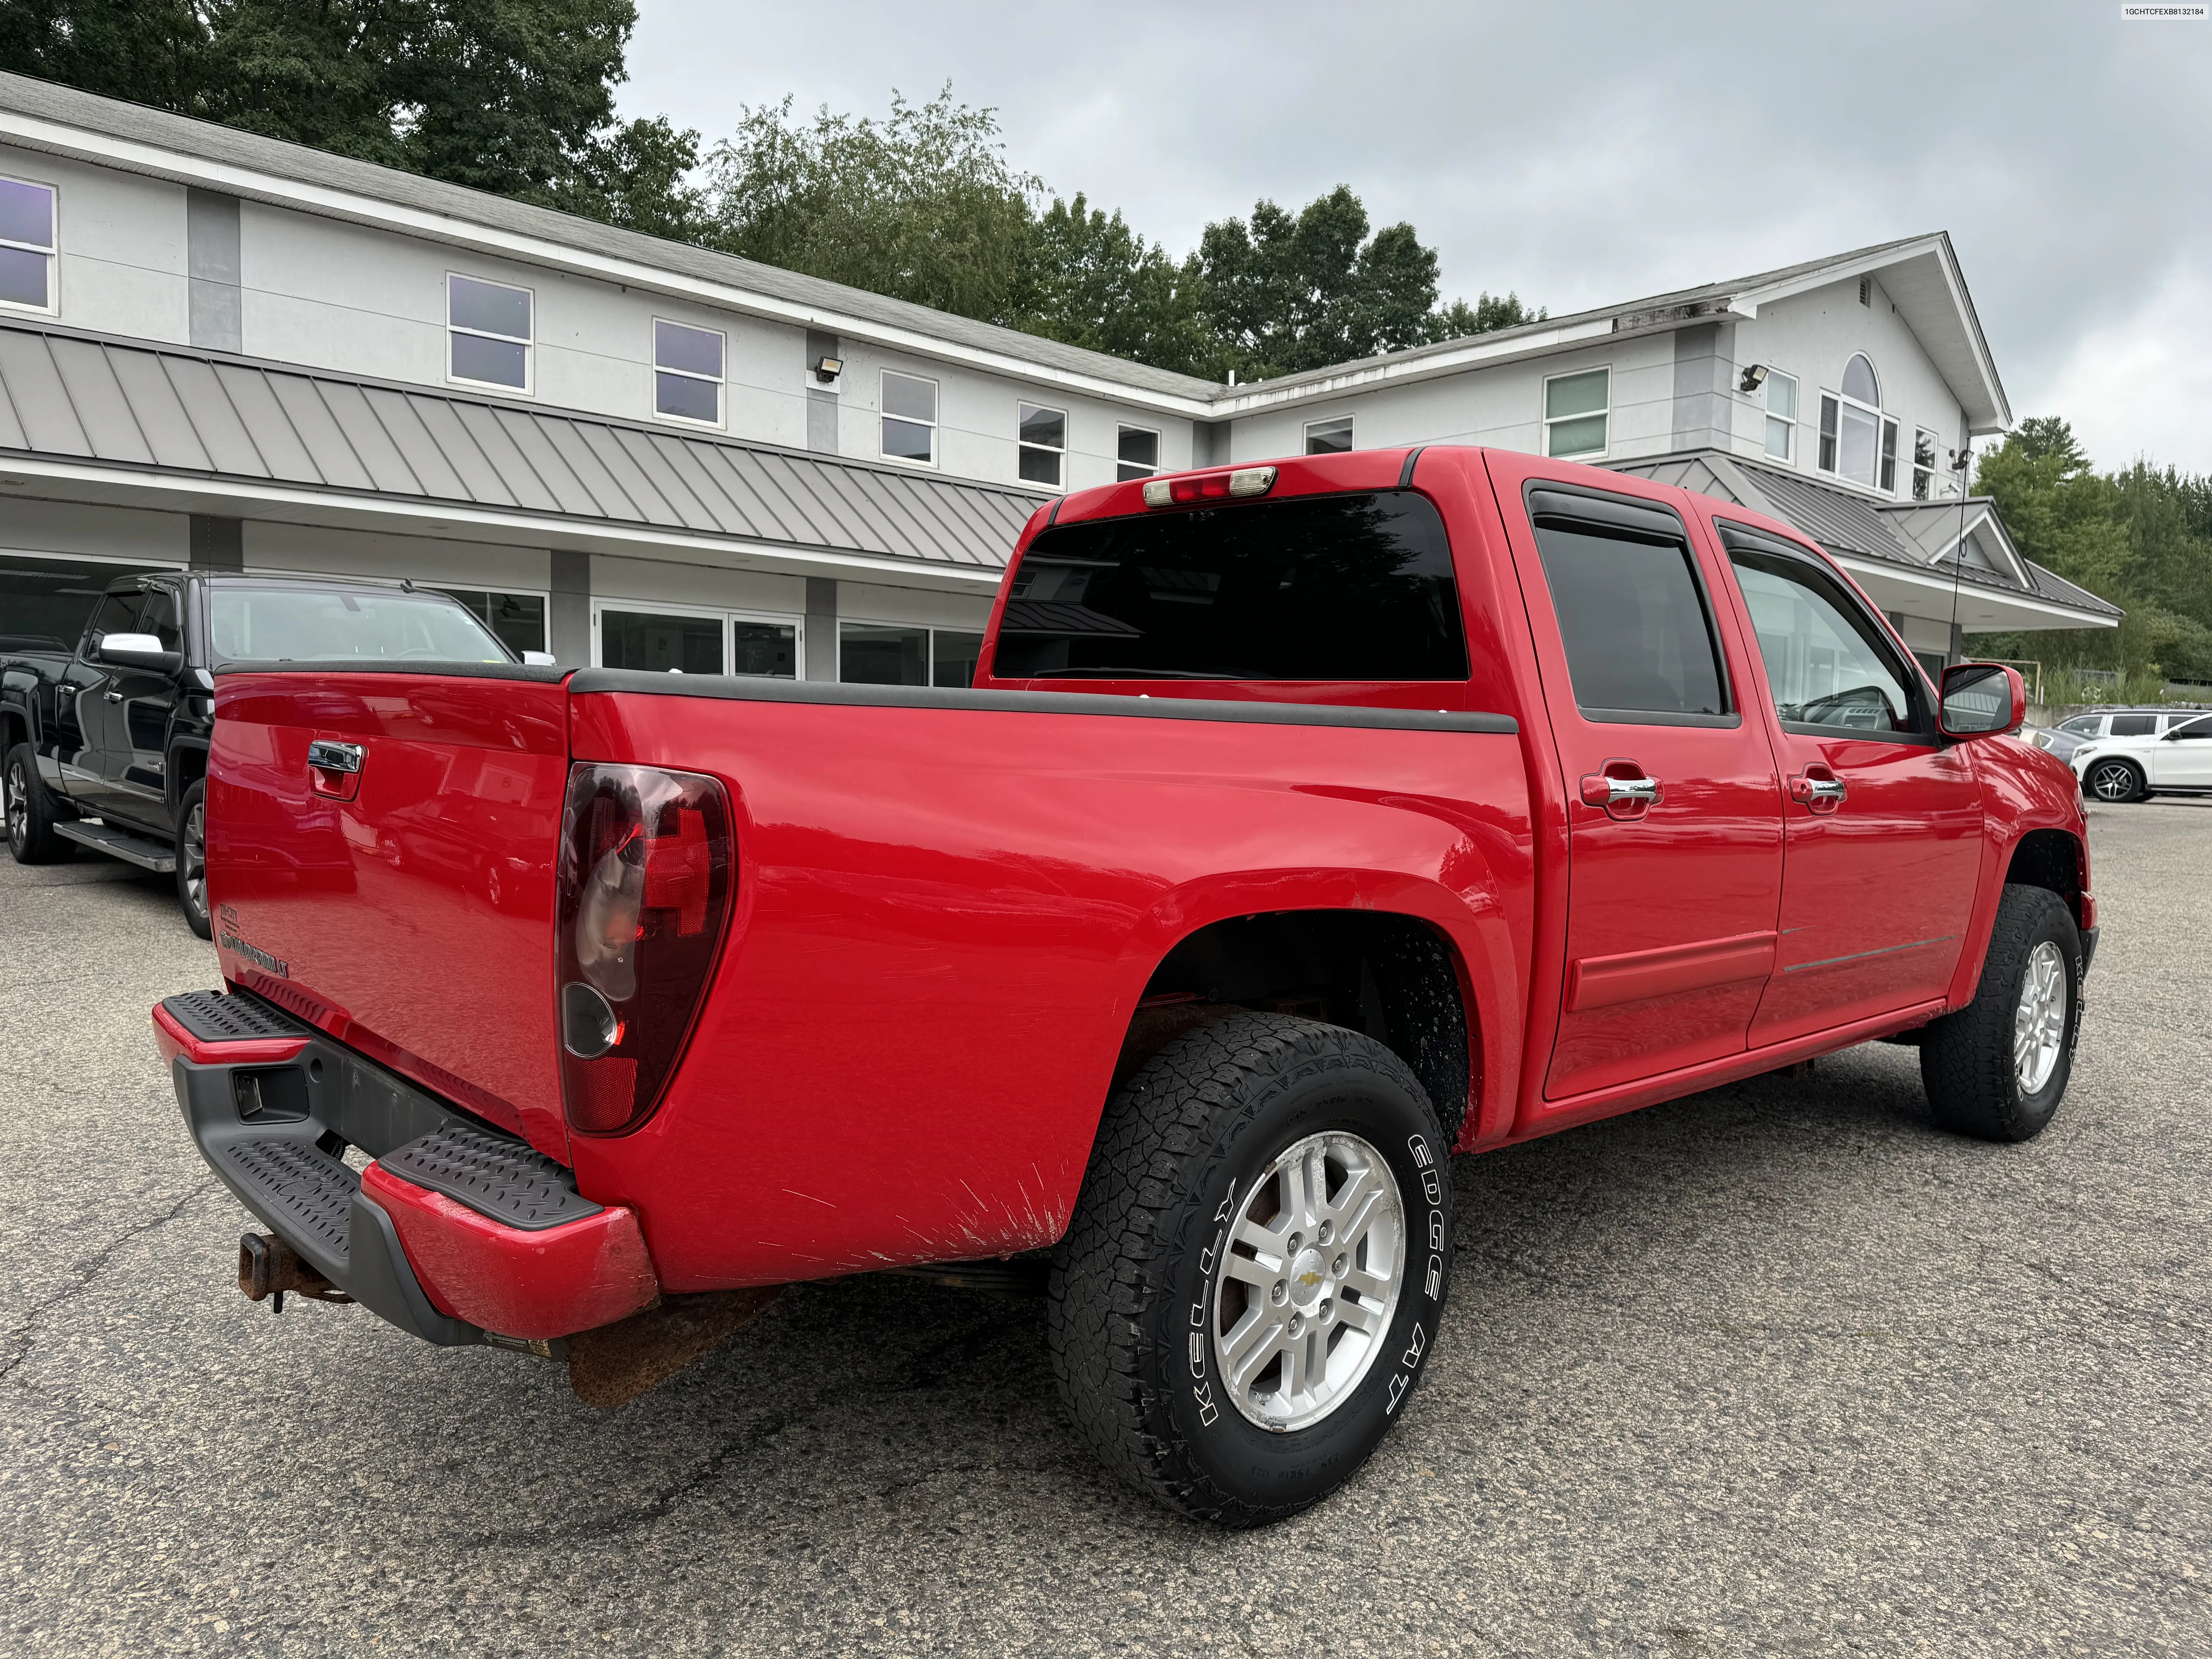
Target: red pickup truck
1307, 822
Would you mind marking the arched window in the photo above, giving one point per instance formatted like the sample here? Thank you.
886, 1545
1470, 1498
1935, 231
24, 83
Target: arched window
1858, 441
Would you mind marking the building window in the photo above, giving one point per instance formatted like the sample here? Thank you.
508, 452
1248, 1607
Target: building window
910, 418
518, 619
1575, 411
1330, 437
687, 373
662, 641
882, 653
1889, 457
488, 325
1851, 427
1780, 414
1923, 465
1137, 453
1043, 445
27, 245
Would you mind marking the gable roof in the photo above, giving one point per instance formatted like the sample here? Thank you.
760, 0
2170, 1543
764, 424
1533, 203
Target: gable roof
68, 397
1850, 525
1919, 273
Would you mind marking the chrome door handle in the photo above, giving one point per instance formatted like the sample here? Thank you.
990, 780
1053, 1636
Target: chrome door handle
1821, 795
327, 757
1626, 799
111, 697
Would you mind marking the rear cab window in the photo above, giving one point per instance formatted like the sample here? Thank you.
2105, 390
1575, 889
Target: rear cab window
1350, 588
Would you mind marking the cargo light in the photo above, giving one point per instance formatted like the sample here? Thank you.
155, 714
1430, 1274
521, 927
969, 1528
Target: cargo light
1245, 482
647, 870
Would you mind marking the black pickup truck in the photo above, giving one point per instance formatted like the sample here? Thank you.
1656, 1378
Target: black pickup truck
106, 745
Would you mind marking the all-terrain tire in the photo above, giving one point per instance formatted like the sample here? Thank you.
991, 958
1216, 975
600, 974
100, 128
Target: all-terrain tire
1140, 1277
1968, 1060
30, 811
192, 861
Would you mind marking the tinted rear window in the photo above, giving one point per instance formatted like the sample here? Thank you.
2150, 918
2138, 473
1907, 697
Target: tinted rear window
1633, 621
2134, 726
1321, 587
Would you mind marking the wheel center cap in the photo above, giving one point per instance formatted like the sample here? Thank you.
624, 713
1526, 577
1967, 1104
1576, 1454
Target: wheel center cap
1306, 1278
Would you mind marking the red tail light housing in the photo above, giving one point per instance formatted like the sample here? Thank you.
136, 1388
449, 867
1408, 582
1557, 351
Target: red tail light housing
646, 870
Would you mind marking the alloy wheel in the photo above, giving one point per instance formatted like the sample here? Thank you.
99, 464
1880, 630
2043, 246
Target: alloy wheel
1315, 1262
2113, 781
2039, 1024
19, 810
193, 849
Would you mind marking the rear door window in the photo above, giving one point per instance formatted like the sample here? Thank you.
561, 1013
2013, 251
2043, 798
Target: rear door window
2134, 726
1318, 587
1632, 615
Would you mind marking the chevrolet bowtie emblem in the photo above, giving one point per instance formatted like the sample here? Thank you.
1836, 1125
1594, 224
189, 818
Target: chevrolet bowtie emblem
1309, 1279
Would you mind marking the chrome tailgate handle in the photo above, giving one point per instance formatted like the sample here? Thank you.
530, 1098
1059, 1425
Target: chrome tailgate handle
326, 755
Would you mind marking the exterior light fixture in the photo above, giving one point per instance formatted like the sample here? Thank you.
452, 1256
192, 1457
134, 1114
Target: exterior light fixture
828, 368
1755, 376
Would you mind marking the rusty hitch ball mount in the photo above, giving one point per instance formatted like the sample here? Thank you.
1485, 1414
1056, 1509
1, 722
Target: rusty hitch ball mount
267, 1267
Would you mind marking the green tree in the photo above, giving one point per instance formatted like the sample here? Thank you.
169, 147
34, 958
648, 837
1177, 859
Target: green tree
1291, 292
147, 51
1089, 280
1489, 312
923, 206
2141, 538
512, 96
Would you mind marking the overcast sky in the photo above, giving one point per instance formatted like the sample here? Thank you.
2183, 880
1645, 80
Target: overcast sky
1583, 154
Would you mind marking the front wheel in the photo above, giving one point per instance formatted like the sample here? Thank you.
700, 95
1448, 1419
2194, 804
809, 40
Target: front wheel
1256, 1266
192, 861
30, 810
1997, 1068
2114, 780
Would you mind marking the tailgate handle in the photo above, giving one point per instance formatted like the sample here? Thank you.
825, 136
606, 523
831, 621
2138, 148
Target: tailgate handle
327, 757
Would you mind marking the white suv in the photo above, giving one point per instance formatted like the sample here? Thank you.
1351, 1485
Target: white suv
2070, 737
2177, 761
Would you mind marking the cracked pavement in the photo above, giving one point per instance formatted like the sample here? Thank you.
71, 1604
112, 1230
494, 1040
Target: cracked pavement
1777, 1369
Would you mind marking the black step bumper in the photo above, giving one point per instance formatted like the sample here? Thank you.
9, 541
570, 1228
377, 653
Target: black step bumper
273, 1105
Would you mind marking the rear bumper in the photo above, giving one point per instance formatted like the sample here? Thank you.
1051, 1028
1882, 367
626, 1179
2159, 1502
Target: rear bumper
453, 1231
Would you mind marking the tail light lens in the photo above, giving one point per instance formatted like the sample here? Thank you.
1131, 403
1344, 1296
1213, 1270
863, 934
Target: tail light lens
646, 869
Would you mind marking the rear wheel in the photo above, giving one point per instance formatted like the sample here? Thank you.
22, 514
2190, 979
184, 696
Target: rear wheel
1256, 1268
2114, 780
30, 810
1998, 1067
192, 861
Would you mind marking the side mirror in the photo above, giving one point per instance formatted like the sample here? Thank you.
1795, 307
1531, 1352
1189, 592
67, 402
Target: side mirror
143, 652
1980, 698
538, 660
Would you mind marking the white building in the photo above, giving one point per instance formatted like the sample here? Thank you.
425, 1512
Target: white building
221, 350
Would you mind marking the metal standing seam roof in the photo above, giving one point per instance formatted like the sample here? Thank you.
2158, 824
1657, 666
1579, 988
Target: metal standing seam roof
1845, 522
169, 409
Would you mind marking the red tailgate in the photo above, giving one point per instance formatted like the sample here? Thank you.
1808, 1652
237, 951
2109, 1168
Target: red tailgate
407, 906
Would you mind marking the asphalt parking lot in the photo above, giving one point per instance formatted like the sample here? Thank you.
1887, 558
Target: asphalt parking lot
1777, 1369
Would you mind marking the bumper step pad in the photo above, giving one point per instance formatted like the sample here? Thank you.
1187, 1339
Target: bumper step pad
496, 1175
213, 1018
309, 1193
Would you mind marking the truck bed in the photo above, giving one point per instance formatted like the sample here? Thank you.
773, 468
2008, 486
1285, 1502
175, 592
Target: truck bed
948, 906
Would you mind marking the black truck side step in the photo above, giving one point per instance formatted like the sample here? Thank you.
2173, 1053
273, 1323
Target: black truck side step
121, 844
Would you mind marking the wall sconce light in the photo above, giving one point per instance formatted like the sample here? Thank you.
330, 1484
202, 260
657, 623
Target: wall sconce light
1755, 376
